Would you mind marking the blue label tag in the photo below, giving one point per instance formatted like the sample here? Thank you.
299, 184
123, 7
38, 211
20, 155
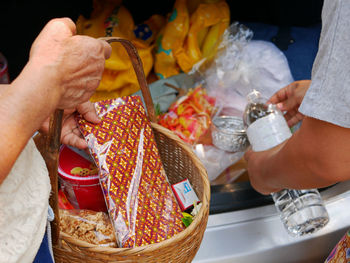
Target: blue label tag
187, 187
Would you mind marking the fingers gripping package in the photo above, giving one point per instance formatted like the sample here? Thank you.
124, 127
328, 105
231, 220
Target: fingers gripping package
139, 199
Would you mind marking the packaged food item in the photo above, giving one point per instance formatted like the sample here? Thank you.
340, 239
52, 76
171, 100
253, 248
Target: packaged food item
110, 18
190, 116
301, 211
90, 226
79, 180
185, 194
139, 199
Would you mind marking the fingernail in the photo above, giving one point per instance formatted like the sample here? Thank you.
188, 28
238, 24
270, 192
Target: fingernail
280, 105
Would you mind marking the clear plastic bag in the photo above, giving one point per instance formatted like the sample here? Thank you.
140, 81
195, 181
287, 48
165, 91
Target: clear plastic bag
241, 65
90, 226
215, 160
139, 199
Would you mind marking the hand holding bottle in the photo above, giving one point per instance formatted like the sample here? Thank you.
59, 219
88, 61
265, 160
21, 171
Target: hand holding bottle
289, 98
301, 211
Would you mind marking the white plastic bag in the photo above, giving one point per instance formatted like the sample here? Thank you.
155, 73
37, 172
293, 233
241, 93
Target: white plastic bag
242, 65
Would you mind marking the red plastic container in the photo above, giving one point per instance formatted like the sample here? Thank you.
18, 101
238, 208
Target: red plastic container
83, 192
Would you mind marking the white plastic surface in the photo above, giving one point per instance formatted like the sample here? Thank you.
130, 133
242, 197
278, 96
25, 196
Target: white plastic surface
257, 234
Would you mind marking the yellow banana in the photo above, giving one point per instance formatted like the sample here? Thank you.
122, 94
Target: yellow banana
201, 36
207, 24
211, 40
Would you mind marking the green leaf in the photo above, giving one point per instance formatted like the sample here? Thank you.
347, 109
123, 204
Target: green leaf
187, 219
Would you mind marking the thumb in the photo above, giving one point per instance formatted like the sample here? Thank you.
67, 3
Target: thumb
87, 110
59, 28
54, 32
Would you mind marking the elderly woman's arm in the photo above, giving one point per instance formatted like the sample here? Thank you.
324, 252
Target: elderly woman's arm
63, 71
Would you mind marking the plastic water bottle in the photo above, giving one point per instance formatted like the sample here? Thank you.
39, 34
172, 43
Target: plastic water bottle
301, 211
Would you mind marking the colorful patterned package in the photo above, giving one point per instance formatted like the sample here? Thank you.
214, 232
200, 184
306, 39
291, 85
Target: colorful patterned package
341, 252
190, 116
139, 199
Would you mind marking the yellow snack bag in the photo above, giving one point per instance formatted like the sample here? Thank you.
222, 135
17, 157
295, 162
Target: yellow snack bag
110, 18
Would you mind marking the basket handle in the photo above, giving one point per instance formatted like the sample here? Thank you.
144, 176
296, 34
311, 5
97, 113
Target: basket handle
138, 68
52, 142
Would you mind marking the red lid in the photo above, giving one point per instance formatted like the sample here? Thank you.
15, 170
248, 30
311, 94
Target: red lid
75, 166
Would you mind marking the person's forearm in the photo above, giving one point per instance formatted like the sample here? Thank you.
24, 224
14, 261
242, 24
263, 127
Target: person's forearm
315, 156
24, 105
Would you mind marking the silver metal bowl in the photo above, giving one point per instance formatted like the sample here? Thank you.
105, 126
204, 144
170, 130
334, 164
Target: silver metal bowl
228, 133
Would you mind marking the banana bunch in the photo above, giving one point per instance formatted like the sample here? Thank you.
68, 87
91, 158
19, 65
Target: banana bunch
205, 23
208, 24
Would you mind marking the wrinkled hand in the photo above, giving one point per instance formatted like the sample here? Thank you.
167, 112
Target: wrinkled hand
70, 133
289, 98
256, 166
75, 63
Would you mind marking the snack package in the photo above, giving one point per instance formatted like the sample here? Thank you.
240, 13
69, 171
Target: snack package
190, 116
90, 226
185, 194
110, 18
139, 199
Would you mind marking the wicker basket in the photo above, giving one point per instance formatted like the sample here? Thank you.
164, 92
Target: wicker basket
179, 163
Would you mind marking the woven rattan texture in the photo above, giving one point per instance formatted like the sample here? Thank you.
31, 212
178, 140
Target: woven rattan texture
179, 163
